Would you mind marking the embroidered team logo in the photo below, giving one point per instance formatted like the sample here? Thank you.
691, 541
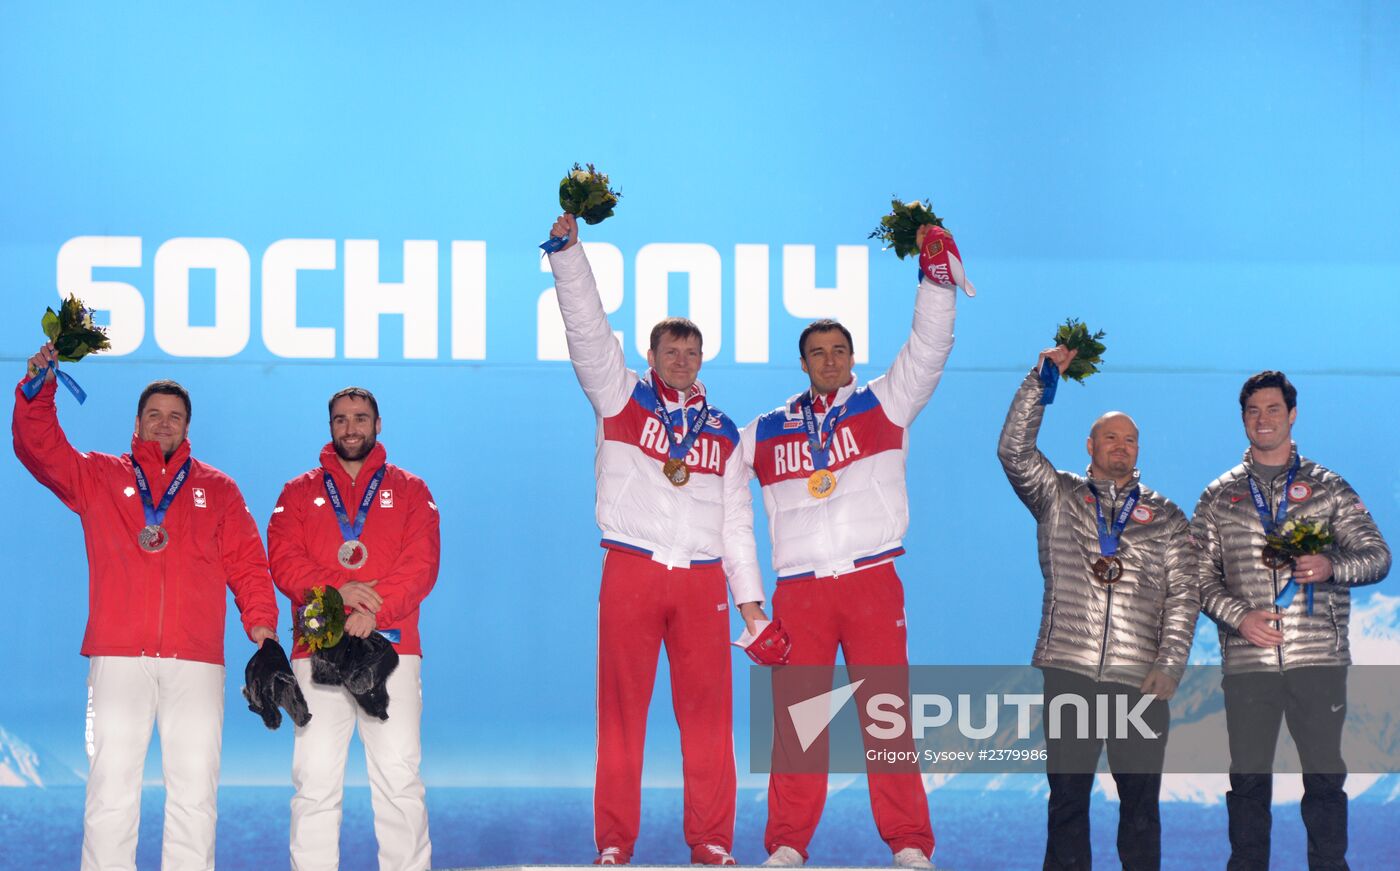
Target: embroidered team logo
792, 424
199, 500
129, 492
318, 501
386, 498
1299, 492
1143, 514
713, 421
1089, 500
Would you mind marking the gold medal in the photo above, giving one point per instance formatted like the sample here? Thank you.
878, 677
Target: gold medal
353, 554
153, 538
821, 483
1108, 569
676, 472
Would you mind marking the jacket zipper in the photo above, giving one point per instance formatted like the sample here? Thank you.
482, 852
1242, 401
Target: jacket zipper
1108, 604
1103, 642
160, 615
1273, 576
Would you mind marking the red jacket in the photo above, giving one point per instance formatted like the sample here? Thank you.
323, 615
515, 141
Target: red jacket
401, 534
169, 603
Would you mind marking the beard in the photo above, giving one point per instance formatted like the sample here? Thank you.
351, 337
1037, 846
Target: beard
356, 455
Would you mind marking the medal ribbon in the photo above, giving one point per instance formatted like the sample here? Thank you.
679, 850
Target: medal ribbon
1108, 537
31, 388
681, 447
351, 531
1050, 380
155, 514
819, 438
1272, 521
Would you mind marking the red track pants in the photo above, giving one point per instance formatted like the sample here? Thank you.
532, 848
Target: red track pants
643, 605
864, 614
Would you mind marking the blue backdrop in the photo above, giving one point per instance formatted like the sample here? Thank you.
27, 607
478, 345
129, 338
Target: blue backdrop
272, 201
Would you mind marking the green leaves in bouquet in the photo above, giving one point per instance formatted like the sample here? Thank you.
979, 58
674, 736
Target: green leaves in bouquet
584, 193
1300, 536
72, 331
900, 228
321, 618
1076, 337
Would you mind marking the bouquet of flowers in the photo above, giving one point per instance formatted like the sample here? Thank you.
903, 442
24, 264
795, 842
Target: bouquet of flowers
1297, 537
584, 193
74, 336
320, 621
900, 228
72, 331
1076, 337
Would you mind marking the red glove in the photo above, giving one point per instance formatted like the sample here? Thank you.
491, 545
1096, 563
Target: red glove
773, 645
941, 263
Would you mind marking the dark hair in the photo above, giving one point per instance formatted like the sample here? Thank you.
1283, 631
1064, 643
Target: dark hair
353, 393
1263, 381
677, 328
825, 325
168, 387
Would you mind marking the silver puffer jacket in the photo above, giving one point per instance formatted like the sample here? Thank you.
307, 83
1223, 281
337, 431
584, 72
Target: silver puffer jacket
1119, 633
1234, 581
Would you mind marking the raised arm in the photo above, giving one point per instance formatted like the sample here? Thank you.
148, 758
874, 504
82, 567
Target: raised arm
39, 440
1032, 476
598, 359
905, 389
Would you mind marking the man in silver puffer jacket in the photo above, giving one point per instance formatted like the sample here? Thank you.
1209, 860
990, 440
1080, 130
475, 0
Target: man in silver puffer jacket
1286, 660
1122, 630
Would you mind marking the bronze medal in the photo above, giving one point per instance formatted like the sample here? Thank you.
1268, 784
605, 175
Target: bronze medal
676, 472
1108, 569
153, 538
821, 483
353, 554
1275, 559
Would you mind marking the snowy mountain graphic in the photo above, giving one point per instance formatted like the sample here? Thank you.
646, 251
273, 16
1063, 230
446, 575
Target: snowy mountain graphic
23, 764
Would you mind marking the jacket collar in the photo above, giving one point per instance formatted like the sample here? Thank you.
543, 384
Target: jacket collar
1250, 467
693, 396
152, 458
1109, 488
822, 403
331, 463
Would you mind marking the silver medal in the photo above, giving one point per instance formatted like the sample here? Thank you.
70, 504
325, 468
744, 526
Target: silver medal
352, 554
153, 538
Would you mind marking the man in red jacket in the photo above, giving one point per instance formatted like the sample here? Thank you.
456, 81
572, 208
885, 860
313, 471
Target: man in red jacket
165, 534
369, 529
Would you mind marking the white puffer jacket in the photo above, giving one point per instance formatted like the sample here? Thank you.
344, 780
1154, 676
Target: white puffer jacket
708, 520
862, 524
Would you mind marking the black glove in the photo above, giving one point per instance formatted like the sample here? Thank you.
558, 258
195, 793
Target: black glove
270, 684
362, 666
